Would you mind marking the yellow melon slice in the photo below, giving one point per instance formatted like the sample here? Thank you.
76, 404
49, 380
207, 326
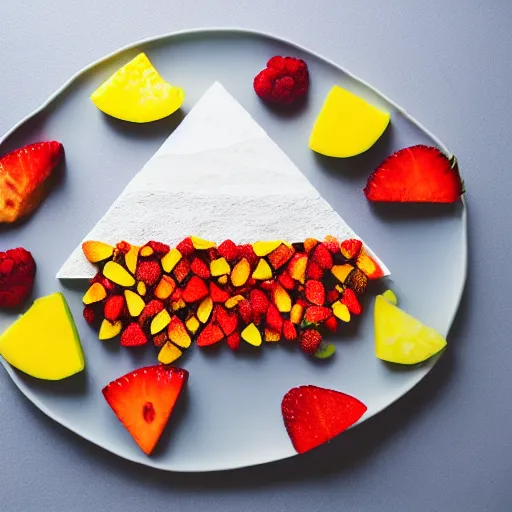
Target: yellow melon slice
401, 338
137, 93
44, 342
347, 125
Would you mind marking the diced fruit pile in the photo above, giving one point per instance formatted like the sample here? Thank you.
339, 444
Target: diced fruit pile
198, 291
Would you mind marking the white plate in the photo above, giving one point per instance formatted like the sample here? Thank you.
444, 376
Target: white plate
230, 416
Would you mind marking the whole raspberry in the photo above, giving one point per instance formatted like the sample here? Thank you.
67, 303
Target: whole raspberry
149, 272
284, 81
17, 273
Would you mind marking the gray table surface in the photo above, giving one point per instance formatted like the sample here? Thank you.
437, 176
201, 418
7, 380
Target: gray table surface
447, 445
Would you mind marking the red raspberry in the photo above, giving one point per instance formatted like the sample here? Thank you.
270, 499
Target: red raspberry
17, 273
284, 81
186, 247
229, 250
149, 272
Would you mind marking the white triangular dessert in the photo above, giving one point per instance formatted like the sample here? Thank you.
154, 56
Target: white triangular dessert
217, 176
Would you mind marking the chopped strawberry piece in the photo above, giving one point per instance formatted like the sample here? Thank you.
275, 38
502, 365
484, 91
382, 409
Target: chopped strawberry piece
200, 268
213, 253
278, 257
181, 270
148, 272
310, 244
210, 335
186, 247
159, 248
133, 336
310, 341
152, 308
228, 322
245, 311
195, 290
228, 250
351, 248
289, 331
317, 314
351, 301
286, 281
259, 301
332, 244
160, 339
234, 340
315, 292
314, 271
332, 324
114, 307
332, 296
90, 315
176, 295
143, 401
218, 294
322, 257
314, 415
17, 274
267, 285
417, 174
274, 319
246, 251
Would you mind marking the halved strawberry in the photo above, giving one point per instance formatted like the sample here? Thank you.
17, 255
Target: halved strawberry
332, 244
113, 308
228, 322
182, 270
133, 336
351, 301
246, 251
234, 341
332, 324
332, 296
200, 268
195, 290
24, 177
315, 292
417, 174
314, 415
228, 250
259, 301
159, 248
217, 293
143, 401
210, 335
274, 320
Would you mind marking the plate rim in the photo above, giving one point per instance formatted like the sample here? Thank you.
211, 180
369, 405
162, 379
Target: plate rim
263, 35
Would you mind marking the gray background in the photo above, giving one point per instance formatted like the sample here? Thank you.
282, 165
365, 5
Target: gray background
446, 446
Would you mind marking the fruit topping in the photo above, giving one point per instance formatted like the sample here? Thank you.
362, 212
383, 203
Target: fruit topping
118, 274
325, 350
400, 338
169, 353
274, 320
219, 267
160, 322
316, 314
170, 260
195, 290
25, 178
252, 335
200, 268
134, 302
351, 301
109, 330
341, 311
137, 93
165, 288
192, 324
210, 335
148, 272
228, 250
97, 251
17, 274
347, 125
133, 336
289, 331
322, 257
351, 248
264, 248
341, 272
201, 244
44, 342
95, 293
205, 310
131, 259
284, 81
234, 341
143, 401
310, 340
417, 174
357, 281
241, 272
297, 267
315, 292
259, 301
114, 307
228, 321
313, 415
178, 333
263, 271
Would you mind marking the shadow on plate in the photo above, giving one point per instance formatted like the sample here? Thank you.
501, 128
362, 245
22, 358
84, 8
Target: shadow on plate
76, 385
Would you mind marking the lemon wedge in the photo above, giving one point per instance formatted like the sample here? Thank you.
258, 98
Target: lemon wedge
401, 338
137, 93
347, 125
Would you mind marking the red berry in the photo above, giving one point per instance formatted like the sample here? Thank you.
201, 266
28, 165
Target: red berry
322, 257
148, 272
289, 331
200, 268
114, 307
310, 341
186, 247
315, 292
234, 341
228, 250
259, 301
17, 274
133, 336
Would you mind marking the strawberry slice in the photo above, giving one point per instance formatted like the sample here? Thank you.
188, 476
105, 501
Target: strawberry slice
114, 308
210, 335
317, 314
274, 320
24, 177
245, 311
315, 292
322, 257
195, 290
228, 322
313, 415
259, 301
133, 336
417, 174
143, 401
217, 293
200, 268
352, 302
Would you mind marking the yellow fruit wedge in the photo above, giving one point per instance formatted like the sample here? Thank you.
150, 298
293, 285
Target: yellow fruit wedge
347, 125
44, 342
400, 338
137, 93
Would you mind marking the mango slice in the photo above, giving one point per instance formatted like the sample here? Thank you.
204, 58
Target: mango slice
233, 301
109, 330
178, 334
204, 310
262, 272
347, 125
95, 293
390, 296
97, 251
219, 267
131, 257
341, 272
146, 251
170, 260
251, 335
201, 243
298, 266
241, 273
160, 321
169, 353
296, 314
118, 274
264, 248
141, 288
137, 93
44, 342
401, 338
282, 300
165, 287
341, 311
134, 303
192, 324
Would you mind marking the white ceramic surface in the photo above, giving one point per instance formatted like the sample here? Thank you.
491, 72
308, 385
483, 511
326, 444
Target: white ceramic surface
230, 415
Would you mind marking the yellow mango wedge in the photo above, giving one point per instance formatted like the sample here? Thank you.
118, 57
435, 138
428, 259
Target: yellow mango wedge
347, 125
44, 342
401, 338
137, 93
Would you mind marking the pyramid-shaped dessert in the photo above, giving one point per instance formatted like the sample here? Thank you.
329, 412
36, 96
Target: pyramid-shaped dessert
217, 176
